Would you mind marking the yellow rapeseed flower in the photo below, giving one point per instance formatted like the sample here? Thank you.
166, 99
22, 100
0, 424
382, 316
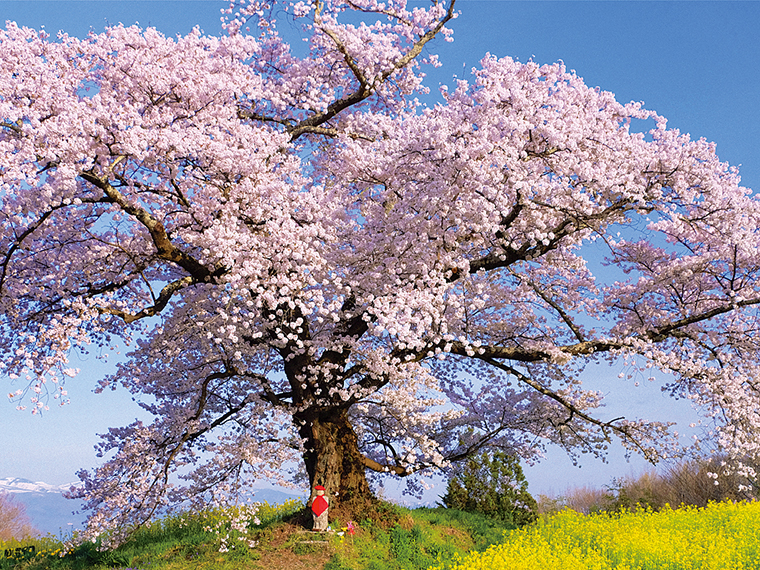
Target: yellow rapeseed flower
722, 536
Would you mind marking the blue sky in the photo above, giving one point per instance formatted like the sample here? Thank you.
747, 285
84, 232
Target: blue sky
695, 63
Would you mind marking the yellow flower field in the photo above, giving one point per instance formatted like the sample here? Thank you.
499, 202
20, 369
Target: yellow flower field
723, 536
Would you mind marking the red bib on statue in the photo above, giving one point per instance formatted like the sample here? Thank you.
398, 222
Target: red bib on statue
319, 505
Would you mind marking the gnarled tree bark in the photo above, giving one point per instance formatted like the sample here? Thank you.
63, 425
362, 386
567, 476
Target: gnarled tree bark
333, 460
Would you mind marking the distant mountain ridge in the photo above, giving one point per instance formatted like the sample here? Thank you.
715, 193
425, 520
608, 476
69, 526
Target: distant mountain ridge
49, 511
52, 513
18, 485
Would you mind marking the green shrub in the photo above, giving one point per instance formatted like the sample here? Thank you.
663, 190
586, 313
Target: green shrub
480, 531
493, 485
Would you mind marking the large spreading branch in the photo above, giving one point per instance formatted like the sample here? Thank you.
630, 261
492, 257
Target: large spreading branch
365, 88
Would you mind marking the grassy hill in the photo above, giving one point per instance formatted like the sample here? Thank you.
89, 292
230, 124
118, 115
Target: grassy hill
394, 538
720, 536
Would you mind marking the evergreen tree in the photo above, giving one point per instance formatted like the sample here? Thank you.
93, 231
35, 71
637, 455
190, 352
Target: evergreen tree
494, 485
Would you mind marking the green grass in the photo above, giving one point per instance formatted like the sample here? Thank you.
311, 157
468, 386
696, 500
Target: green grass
397, 539
422, 538
188, 540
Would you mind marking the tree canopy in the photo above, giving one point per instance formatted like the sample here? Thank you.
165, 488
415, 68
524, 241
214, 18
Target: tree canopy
308, 264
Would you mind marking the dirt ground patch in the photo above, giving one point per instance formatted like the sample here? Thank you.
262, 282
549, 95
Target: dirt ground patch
290, 548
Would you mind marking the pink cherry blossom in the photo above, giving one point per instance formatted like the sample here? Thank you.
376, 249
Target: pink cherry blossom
309, 266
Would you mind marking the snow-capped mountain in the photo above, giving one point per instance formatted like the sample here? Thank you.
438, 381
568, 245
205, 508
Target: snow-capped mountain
45, 505
51, 513
18, 485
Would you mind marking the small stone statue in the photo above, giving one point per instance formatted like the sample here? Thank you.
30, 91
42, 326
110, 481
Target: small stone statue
319, 508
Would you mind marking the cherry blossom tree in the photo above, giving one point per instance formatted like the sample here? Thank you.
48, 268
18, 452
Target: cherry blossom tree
309, 265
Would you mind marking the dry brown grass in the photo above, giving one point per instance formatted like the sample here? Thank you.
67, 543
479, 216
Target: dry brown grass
583, 499
695, 482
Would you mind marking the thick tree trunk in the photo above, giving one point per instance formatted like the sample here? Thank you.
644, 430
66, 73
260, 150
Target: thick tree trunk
333, 460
